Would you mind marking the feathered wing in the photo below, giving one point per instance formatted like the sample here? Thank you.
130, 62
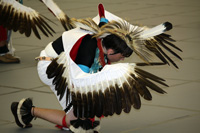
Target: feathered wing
18, 17
115, 89
70, 23
61, 16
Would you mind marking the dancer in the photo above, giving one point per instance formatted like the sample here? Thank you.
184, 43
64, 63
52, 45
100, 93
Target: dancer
77, 68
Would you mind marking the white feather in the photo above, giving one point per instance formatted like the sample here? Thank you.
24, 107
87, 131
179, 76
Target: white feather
54, 8
157, 30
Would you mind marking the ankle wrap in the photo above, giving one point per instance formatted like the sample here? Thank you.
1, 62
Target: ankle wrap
64, 124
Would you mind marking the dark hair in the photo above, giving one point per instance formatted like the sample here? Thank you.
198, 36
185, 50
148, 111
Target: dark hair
117, 44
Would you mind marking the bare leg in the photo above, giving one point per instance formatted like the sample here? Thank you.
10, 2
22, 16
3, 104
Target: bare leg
53, 115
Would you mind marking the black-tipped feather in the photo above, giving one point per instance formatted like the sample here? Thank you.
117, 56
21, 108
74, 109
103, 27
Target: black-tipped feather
168, 26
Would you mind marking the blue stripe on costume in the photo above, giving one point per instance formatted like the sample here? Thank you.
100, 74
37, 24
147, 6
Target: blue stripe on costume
104, 20
84, 68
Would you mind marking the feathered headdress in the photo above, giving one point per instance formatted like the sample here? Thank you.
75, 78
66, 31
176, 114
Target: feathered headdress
142, 40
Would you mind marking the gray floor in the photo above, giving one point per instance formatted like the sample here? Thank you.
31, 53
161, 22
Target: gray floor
177, 111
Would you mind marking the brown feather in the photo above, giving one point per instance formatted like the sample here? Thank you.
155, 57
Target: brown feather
112, 101
151, 85
38, 23
101, 103
145, 93
127, 107
149, 64
107, 103
91, 113
17, 22
142, 90
122, 98
166, 56
28, 26
168, 49
135, 93
45, 26
137, 101
33, 27
51, 68
67, 96
129, 90
84, 106
8, 22
59, 85
118, 100
156, 52
79, 105
166, 38
146, 74
1, 9
74, 103
58, 74
5, 13
13, 21
58, 70
63, 87
22, 27
96, 104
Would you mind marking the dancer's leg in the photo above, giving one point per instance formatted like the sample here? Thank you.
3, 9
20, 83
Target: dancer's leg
53, 115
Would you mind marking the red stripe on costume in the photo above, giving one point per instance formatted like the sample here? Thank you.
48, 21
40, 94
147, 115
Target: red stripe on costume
3, 33
101, 54
74, 50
